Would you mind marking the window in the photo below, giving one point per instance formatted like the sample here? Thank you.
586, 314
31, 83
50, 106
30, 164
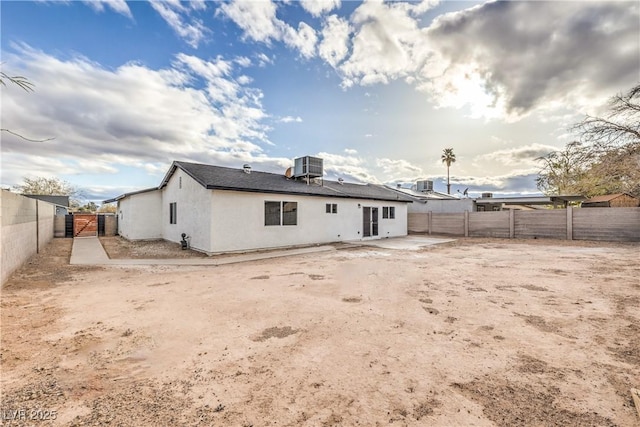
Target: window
480, 208
271, 213
173, 213
289, 213
389, 212
331, 208
385, 212
280, 213
392, 212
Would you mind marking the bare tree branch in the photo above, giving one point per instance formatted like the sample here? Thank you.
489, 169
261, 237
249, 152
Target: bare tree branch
21, 81
618, 128
25, 138
27, 86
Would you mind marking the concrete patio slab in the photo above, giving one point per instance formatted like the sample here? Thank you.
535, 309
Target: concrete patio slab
406, 243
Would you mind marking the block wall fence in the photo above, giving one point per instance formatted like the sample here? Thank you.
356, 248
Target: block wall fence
26, 227
601, 224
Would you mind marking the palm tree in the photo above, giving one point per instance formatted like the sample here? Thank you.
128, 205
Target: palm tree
448, 157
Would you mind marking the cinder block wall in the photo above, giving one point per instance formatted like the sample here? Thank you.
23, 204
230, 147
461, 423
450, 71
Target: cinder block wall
26, 225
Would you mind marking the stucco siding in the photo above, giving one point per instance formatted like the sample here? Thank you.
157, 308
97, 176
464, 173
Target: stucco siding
140, 215
238, 221
193, 209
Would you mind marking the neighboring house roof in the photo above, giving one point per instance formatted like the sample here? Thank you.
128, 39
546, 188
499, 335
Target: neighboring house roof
606, 198
54, 200
530, 200
419, 195
223, 178
122, 196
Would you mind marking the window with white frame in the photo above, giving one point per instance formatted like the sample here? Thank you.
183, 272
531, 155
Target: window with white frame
389, 212
331, 208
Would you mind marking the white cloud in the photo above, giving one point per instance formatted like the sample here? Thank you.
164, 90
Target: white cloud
318, 7
119, 6
349, 167
517, 182
263, 60
492, 59
335, 37
304, 39
350, 151
521, 157
131, 115
399, 170
178, 17
516, 65
387, 44
256, 18
290, 119
259, 22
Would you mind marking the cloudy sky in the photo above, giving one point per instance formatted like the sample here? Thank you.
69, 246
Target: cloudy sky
377, 89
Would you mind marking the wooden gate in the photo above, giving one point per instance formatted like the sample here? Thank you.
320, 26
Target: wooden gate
85, 225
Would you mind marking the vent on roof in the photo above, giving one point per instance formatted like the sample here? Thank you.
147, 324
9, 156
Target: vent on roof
308, 167
424, 186
487, 195
246, 168
340, 181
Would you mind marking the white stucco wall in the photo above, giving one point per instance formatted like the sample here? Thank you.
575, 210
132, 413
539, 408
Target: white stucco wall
140, 216
193, 211
238, 221
442, 206
23, 230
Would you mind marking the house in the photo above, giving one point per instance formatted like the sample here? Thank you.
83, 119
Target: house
620, 200
489, 203
426, 199
222, 209
60, 202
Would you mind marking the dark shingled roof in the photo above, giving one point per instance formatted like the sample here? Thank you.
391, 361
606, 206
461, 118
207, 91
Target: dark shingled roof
222, 178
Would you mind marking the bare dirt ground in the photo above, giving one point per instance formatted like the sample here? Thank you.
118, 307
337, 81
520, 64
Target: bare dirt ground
476, 332
119, 248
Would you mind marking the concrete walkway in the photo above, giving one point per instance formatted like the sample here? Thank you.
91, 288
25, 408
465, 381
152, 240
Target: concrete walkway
89, 251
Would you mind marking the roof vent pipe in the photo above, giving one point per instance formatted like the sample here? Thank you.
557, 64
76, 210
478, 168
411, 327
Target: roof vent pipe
340, 181
246, 168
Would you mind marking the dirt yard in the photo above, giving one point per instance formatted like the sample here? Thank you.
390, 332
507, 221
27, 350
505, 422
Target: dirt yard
471, 333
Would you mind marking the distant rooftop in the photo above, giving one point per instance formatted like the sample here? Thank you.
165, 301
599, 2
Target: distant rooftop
54, 200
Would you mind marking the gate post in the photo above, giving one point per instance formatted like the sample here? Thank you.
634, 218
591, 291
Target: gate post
569, 223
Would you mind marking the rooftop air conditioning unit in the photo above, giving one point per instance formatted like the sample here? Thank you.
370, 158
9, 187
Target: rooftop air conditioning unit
487, 195
308, 167
424, 186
